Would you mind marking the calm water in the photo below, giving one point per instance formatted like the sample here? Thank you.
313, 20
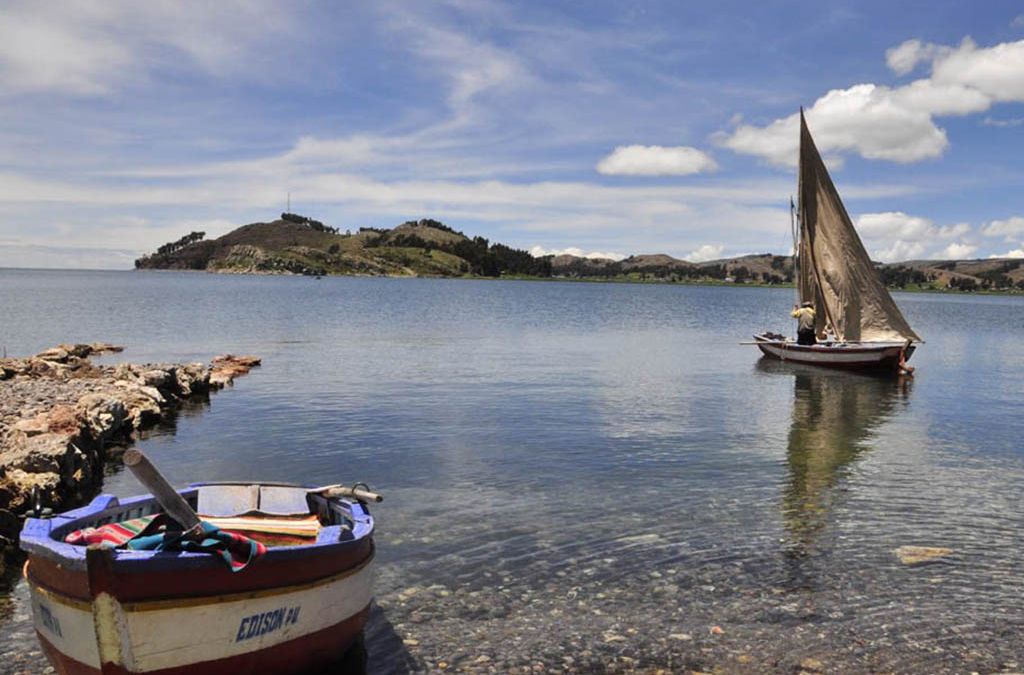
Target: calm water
597, 476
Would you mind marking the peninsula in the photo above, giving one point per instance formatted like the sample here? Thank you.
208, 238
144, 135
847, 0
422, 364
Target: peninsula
60, 414
296, 244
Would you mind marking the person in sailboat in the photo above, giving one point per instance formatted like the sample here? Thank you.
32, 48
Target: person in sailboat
804, 314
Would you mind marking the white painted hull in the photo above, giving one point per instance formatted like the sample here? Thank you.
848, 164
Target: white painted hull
861, 356
149, 636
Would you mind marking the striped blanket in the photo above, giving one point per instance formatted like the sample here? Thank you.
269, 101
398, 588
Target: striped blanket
114, 534
150, 533
236, 550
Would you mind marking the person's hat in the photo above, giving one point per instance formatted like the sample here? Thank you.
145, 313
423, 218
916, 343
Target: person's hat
807, 303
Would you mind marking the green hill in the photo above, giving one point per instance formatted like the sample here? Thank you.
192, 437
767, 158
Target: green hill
298, 245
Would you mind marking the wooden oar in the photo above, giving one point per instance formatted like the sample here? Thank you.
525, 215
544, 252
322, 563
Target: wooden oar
173, 503
354, 491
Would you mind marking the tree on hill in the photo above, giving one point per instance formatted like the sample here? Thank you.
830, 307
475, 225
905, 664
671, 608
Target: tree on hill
309, 222
165, 251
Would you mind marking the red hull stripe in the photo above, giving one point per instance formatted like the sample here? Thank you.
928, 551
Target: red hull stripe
307, 654
210, 578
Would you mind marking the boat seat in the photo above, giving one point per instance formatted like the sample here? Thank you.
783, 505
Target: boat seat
283, 500
233, 500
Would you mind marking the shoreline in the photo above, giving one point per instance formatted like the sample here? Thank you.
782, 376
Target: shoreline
584, 280
60, 416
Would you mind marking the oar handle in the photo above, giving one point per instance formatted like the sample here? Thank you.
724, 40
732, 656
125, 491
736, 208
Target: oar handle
362, 495
172, 502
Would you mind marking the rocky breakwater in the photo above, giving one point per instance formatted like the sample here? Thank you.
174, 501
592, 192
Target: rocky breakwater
60, 412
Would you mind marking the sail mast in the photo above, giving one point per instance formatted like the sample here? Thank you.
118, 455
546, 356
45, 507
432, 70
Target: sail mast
808, 233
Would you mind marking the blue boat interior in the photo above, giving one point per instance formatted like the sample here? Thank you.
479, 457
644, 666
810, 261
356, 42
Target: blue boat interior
340, 519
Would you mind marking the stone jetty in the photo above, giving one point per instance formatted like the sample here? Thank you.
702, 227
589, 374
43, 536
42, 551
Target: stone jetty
60, 412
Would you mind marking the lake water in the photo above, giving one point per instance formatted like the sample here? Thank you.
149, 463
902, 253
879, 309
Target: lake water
598, 477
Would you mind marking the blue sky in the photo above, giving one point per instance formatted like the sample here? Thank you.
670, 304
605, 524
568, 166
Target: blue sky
602, 127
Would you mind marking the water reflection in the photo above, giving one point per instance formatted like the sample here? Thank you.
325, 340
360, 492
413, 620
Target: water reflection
835, 417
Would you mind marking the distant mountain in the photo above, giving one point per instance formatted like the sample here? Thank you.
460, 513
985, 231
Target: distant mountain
761, 268
766, 268
296, 244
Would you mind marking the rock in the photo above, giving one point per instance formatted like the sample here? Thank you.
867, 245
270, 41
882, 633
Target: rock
45, 453
103, 415
20, 484
79, 350
104, 347
53, 354
141, 404
228, 366
39, 424
245, 361
157, 378
812, 665
914, 555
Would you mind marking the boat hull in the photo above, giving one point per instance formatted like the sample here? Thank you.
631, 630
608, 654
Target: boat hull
297, 609
864, 357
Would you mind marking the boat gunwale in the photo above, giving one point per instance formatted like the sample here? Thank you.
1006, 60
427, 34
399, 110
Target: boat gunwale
40, 536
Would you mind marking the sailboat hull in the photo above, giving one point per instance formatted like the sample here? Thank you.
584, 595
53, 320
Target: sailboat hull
851, 356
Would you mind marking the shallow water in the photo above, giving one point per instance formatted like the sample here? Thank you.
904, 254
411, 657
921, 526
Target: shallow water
597, 476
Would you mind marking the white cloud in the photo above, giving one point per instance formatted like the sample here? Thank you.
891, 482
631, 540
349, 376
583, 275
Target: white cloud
91, 47
1018, 21
865, 119
705, 253
1015, 253
903, 58
655, 160
538, 251
994, 71
893, 225
899, 250
1012, 122
958, 251
896, 124
894, 236
1011, 228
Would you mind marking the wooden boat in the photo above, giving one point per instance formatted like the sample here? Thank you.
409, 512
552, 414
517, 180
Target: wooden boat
835, 274
882, 356
296, 609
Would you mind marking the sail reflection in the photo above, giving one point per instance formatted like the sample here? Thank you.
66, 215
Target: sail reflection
835, 416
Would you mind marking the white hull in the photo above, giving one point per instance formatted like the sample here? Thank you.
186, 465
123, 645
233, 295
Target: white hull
862, 356
156, 635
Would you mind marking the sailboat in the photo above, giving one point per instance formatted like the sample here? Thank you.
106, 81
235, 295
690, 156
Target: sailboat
862, 326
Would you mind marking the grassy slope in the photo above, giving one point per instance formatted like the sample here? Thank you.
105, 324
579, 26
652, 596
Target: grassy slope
286, 247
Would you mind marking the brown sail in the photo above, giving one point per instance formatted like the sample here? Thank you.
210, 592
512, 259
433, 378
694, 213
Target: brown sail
836, 273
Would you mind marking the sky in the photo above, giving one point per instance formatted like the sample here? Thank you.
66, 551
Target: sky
607, 128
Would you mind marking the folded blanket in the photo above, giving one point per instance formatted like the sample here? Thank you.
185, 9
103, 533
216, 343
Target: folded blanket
150, 533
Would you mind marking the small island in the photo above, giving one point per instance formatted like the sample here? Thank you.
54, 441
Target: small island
297, 244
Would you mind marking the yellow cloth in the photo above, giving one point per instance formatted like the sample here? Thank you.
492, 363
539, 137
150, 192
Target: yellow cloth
805, 315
